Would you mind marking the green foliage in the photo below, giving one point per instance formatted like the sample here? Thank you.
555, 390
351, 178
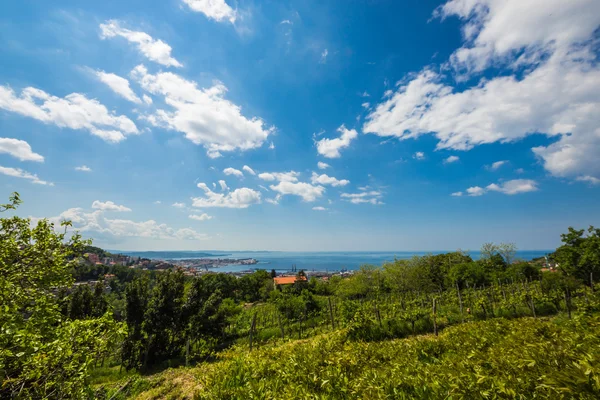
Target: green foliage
43, 354
579, 256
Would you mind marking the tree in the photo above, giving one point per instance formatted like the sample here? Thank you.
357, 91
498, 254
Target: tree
579, 256
42, 354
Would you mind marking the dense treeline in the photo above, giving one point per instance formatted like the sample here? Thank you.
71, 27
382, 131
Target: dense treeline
144, 319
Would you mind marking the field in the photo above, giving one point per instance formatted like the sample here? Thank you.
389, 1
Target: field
525, 357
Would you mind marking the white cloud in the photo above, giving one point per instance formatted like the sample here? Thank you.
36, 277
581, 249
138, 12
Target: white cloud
322, 165
19, 149
75, 111
158, 202
96, 224
272, 146
263, 188
498, 30
109, 206
372, 197
457, 194
511, 187
239, 198
514, 186
19, 173
203, 115
366, 105
557, 92
248, 170
330, 148
494, 166
201, 217
305, 190
419, 155
223, 185
319, 208
589, 179
291, 176
83, 168
155, 50
286, 21
324, 54
475, 191
519, 170
218, 10
118, 85
234, 172
451, 159
147, 99
275, 200
178, 205
328, 180
365, 94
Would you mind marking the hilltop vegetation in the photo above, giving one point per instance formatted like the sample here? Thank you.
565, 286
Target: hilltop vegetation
505, 326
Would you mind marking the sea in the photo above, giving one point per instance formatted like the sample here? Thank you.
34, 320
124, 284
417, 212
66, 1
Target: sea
286, 261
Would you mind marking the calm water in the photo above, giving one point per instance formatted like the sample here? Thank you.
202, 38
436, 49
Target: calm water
309, 261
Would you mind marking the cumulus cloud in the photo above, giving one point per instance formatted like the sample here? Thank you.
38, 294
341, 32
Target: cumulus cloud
118, 85
155, 50
328, 180
238, 198
451, 159
201, 217
457, 194
511, 187
496, 31
19, 149
589, 179
494, 166
304, 190
158, 202
322, 165
330, 148
475, 191
74, 111
419, 155
109, 206
19, 173
96, 224
248, 170
291, 176
147, 99
319, 208
557, 94
218, 10
234, 172
178, 205
203, 115
371, 197
83, 168
223, 185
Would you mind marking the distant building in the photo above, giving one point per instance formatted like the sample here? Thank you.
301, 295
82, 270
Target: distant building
288, 280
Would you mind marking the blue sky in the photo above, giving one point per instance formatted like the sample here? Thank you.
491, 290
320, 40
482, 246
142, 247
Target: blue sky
437, 125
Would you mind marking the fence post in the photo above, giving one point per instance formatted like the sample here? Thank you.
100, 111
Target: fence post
435, 331
568, 302
462, 316
252, 329
281, 326
187, 352
331, 314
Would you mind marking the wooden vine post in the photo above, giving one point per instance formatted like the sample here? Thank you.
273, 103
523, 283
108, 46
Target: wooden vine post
331, 314
460, 304
435, 331
252, 329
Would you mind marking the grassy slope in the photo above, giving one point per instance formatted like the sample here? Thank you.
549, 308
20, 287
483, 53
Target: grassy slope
499, 358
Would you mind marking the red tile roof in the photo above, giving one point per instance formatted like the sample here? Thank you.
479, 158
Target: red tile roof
287, 280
